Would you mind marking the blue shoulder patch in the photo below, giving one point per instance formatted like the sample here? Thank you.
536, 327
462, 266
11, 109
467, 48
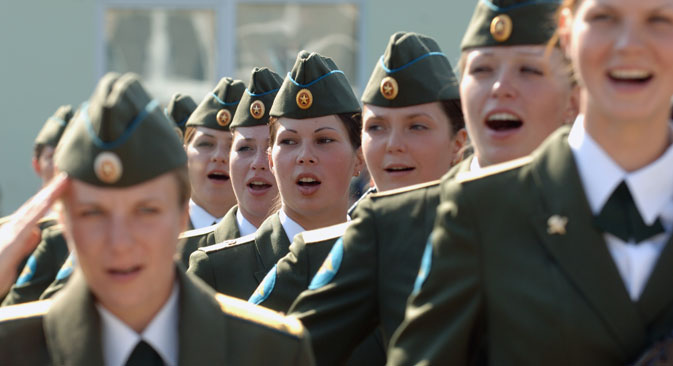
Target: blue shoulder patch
66, 268
329, 267
28, 271
265, 287
424, 271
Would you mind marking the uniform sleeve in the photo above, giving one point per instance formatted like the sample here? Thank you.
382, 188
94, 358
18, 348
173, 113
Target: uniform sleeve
200, 266
38, 273
305, 353
342, 312
443, 321
286, 280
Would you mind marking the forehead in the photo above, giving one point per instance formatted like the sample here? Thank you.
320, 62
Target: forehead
160, 188
507, 52
630, 5
253, 132
310, 125
211, 132
373, 111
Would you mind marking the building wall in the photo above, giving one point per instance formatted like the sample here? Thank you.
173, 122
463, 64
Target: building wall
50, 56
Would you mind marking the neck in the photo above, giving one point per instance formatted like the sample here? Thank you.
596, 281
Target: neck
216, 208
632, 144
139, 316
255, 220
316, 220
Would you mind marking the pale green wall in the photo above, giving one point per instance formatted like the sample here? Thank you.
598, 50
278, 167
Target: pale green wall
48, 58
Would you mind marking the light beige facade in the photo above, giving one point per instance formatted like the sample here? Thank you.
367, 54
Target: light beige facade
52, 52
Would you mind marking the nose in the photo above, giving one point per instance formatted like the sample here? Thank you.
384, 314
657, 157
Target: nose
118, 234
261, 161
221, 153
306, 155
503, 86
629, 37
396, 143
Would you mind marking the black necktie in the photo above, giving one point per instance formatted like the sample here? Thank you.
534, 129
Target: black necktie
621, 218
144, 355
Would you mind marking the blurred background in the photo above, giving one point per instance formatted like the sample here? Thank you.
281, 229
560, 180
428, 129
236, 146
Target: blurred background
52, 52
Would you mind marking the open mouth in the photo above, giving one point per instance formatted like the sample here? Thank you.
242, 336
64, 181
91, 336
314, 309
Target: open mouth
630, 76
219, 176
124, 273
308, 182
503, 121
399, 169
258, 185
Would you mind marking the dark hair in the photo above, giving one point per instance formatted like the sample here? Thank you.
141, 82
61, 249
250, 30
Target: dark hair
454, 112
352, 122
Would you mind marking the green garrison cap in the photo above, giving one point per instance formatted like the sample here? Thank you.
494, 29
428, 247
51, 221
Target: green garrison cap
510, 23
217, 109
120, 137
179, 108
412, 71
258, 98
314, 88
52, 130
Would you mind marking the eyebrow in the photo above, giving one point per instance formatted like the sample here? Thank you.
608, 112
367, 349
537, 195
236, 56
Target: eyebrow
412, 116
324, 128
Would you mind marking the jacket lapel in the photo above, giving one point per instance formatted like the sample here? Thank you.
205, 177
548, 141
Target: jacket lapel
658, 294
271, 243
227, 229
581, 251
202, 328
72, 326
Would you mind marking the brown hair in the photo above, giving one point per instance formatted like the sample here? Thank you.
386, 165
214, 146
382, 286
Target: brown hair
454, 112
184, 188
189, 134
352, 122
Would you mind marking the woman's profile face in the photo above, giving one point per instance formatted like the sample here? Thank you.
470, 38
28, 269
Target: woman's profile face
513, 98
622, 52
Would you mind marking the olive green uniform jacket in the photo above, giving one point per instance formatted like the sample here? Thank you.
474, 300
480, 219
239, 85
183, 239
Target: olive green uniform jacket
505, 286
192, 240
382, 249
41, 269
213, 330
293, 273
237, 266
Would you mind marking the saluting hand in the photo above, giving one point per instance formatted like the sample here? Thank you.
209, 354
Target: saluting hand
20, 234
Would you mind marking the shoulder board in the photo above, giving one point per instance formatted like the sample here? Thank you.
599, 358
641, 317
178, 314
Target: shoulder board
22, 311
406, 189
493, 169
325, 233
238, 308
197, 232
229, 243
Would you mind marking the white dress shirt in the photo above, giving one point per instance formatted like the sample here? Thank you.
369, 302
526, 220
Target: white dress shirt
200, 217
290, 226
652, 191
244, 226
474, 165
119, 340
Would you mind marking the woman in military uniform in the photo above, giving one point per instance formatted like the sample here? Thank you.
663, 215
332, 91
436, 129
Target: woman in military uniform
179, 108
372, 269
127, 303
208, 142
254, 185
315, 151
564, 257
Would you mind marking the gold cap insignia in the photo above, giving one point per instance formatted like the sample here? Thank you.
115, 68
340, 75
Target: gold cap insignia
257, 109
501, 27
108, 167
389, 88
557, 225
304, 99
223, 117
